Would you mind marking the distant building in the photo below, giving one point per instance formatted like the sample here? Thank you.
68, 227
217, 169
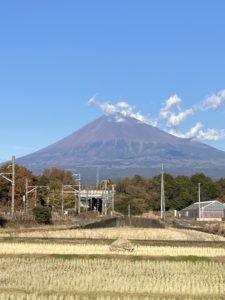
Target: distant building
98, 200
208, 210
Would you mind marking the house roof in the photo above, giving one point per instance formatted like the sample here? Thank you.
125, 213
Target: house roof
212, 205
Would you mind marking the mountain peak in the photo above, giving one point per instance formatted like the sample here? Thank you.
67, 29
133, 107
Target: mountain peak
117, 143
120, 118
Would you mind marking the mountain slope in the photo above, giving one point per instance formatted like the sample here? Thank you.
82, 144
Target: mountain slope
114, 143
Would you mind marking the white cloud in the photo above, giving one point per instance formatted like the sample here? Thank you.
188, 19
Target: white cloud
192, 133
92, 100
175, 120
106, 107
124, 108
196, 132
120, 110
172, 101
169, 112
119, 118
214, 101
211, 135
172, 114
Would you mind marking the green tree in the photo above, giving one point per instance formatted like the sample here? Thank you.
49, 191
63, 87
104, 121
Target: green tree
42, 214
220, 187
208, 186
137, 205
185, 193
137, 192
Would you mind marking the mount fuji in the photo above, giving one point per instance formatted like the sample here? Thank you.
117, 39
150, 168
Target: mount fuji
123, 146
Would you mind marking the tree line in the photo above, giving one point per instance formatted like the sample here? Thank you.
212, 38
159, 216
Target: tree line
143, 194
52, 178
140, 193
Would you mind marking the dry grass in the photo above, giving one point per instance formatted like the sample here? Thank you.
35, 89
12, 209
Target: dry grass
32, 227
26, 276
96, 249
109, 279
218, 228
121, 232
22, 296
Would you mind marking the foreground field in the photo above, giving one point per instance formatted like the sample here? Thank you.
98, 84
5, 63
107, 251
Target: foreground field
90, 249
77, 264
52, 278
120, 232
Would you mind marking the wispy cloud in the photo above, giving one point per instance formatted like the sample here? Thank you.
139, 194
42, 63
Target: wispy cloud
192, 133
170, 116
214, 101
174, 116
211, 134
172, 101
122, 109
173, 113
197, 132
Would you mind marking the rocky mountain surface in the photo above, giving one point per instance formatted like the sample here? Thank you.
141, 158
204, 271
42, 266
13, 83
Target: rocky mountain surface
121, 146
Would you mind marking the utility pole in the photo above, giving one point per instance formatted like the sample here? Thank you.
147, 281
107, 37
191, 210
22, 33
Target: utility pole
105, 196
113, 203
129, 214
24, 203
78, 186
97, 177
53, 201
199, 200
128, 210
72, 189
86, 205
26, 193
162, 215
30, 189
35, 197
11, 179
13, 186
79, 198
62, 201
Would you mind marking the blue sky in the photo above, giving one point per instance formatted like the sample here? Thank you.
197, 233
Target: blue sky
163, 59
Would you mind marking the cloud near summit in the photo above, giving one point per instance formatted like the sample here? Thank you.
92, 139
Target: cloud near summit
170, 116
121, 109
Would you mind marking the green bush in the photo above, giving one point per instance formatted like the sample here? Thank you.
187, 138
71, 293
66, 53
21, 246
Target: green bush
42, 214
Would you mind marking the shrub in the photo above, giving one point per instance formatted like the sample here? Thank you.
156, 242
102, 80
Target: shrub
42, 214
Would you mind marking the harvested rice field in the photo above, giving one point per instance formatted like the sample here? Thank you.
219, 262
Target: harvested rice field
64, 278
96, 249
53, 268
119, 232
